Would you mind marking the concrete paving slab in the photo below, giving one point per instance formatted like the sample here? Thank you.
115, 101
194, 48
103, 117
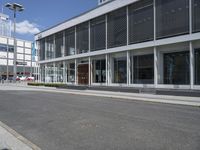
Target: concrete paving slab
11, 140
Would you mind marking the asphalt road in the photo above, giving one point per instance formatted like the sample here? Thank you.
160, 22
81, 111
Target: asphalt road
70, 122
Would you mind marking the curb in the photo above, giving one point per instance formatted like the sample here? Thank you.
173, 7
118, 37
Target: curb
19, 137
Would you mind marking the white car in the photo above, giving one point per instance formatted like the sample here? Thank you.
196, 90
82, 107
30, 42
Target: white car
30, 78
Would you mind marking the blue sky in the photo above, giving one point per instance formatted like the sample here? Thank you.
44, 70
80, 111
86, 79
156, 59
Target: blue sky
42, 14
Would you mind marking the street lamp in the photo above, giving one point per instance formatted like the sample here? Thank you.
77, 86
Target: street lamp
15, 7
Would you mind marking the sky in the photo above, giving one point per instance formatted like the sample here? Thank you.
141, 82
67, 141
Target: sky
42, 14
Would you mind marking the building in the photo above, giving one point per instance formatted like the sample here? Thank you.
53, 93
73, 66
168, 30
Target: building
126, 43
102, 1
5, 25
26, 57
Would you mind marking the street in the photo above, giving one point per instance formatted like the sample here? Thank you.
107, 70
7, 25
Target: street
58, 121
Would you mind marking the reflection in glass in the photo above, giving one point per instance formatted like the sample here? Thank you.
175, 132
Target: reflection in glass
120, 70
143, 69
196, 15
172, 17
176, 68
70, 41
117, 28
98, 33
71, 72
141, 21
99, 71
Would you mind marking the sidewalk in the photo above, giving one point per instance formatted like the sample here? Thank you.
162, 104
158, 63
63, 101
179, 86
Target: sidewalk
181, 100
11, 140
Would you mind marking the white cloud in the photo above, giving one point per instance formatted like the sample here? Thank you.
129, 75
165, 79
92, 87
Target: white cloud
25, 27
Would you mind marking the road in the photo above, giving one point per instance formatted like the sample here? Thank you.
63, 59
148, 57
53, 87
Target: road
55, 121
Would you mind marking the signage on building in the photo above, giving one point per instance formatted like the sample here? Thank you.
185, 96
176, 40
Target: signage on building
21, 63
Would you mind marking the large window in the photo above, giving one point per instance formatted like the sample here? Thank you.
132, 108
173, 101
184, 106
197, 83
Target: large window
99, 71
49, 77
117, 28
196, 15
119, 68
172, 17
98, 33
141, 21
82, 34
176, 68
142, 69
59, 71
42, 49
71, 72
70, 41
197, 66
50, 47
3, 48
59, 44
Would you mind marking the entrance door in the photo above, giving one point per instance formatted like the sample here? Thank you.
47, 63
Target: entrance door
83, 74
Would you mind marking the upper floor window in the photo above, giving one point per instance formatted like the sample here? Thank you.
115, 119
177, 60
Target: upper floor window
117, 28
82, 38
172, 17
70, 41
98, 33
141, 21
196, 15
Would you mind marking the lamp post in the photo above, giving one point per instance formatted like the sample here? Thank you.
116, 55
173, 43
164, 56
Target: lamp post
15, 7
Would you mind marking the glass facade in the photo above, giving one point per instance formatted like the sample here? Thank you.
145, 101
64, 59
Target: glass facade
82, 36
41, 46
141, 21
196, 15
50, 52
59, 47
50, 73
197, 66
119, 68
98, 33
176, 68
71, 72
59, 71
70, 41
99, 71
142, 69
172, 17
117, 28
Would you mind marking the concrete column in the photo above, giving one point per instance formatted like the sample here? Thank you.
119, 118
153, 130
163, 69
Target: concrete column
106, 69
64, 71
45, 73
76, 77
191, 66
155, 68
7, 63
54, 72
89, 71
128, 68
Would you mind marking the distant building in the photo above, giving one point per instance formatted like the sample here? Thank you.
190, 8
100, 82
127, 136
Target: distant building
102, 1
26, 57
5, 25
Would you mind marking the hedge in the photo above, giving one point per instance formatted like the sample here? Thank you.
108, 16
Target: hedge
47, 84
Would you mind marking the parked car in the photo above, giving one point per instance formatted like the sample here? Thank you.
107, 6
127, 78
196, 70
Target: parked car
21, 78
30, 79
